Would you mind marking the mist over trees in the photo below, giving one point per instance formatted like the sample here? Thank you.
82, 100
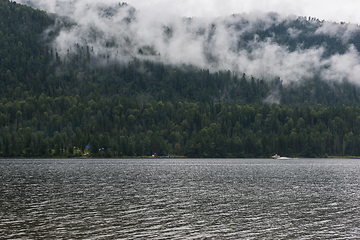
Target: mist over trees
125, 99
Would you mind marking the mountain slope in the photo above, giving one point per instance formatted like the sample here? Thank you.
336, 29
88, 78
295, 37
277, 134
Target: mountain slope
24, 58
131, 58
61, 91
265, 46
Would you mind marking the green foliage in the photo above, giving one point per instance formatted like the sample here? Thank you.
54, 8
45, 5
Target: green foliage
51, 107
130, 127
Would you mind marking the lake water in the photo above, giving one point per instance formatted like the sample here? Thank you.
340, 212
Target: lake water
179, 199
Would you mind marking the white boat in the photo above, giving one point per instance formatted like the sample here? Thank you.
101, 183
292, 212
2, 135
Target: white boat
278, 157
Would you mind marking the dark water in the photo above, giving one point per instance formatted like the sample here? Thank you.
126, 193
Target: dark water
180, 199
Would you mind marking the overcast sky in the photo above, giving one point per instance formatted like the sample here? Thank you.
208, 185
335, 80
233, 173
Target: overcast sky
331, 10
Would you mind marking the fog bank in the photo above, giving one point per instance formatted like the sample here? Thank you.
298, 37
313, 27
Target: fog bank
121, 32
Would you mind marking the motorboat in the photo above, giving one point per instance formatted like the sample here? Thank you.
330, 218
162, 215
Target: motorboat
278, 157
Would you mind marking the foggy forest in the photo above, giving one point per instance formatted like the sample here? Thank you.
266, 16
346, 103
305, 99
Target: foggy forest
88, 78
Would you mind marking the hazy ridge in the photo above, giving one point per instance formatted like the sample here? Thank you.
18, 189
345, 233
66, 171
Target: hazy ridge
263, 45
132, 84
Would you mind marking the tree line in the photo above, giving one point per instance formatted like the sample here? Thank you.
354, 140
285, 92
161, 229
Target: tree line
55, 106
64, 126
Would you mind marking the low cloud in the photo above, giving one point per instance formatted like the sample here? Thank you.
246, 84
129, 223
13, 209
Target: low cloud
345, 66
342, 31
121, 33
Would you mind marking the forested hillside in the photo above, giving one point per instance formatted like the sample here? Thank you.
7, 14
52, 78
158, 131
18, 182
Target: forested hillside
55, 102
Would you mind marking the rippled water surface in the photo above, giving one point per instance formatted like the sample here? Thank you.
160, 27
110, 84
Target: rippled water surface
179, 199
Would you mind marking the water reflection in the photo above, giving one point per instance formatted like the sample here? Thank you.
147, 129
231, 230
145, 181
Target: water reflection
179, 198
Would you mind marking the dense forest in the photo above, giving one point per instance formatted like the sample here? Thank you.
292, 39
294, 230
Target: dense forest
55, 106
